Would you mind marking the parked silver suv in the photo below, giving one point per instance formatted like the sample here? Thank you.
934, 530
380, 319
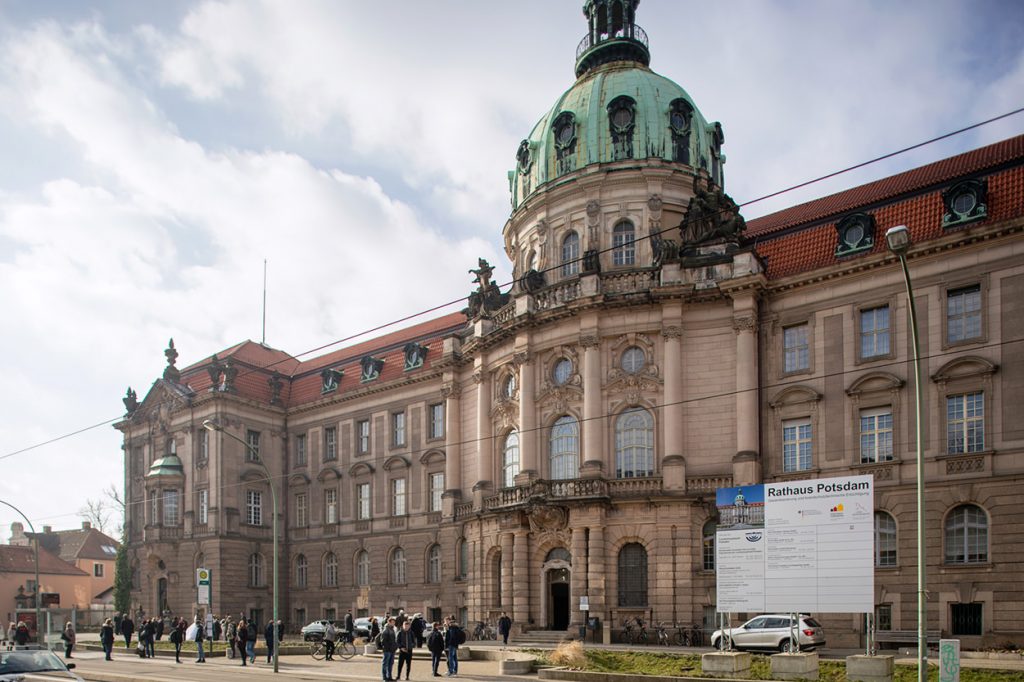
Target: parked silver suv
770, 631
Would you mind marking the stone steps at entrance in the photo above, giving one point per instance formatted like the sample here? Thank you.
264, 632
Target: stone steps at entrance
551, 637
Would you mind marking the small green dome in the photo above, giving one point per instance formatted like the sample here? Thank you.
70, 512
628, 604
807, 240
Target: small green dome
617, 111
166, 466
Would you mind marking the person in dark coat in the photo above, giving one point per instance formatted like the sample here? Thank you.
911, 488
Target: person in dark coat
117, 624
374, 629
406, 643
127, 629
388, 645
417, 629
504, 628
350, 626
177, 637
21, 635
107, 637
158, 628
435, 644
452, 639
200, 638
241, 637
268, 636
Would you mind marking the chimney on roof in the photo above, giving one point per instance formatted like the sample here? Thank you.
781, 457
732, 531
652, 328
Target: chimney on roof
86, 525
47, 529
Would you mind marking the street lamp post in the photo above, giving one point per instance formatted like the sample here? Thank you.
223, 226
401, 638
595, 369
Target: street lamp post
211, 425
898, 239
35, 537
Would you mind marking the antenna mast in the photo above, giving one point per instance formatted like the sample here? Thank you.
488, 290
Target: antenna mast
264, 339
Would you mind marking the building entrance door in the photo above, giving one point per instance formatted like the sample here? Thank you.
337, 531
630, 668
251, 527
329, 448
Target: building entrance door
559, 606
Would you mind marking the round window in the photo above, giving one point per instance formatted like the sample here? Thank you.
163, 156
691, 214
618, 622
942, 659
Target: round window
853, 235
565, 133
508, 389
964, 203
622, 117
563, 370
678, 121
633, 360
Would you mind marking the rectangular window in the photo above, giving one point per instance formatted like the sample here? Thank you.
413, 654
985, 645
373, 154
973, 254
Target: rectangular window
398, 497
300, 615
965, 423
437, 420
436, 491
252, 440
301, 511
963, 314
876, 435
154, 508
204, 507
874, 332
796, 348
330, 443
254, 507
363, 501
171, 508
363, 435
966, 619
300, 450
398, 429
203, 445
796, 445
883, 617
97, 570
330, 506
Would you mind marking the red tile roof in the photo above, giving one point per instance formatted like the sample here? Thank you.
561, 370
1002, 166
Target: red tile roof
79, 543
16, 559
968, 163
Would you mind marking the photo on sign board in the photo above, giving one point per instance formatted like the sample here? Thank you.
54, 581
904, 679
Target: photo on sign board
740, 508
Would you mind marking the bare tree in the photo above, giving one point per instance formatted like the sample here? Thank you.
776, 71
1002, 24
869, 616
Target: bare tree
96, 513
106, 512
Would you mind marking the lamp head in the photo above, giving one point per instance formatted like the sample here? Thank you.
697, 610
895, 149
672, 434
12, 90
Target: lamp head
898, 239
211, 425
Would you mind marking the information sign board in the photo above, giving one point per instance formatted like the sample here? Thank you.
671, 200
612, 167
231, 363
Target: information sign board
804, 546
203, 578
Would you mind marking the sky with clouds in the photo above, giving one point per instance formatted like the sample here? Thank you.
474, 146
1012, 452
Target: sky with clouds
152, 155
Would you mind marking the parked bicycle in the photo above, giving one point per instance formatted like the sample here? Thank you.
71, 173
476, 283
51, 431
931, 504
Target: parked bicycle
343, 648
634, 631
664, 639
689, 635
484, 631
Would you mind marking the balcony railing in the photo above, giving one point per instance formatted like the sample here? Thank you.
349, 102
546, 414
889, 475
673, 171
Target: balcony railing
629, 32
707, 484
557, 294
634, 487
463, 510
629, 282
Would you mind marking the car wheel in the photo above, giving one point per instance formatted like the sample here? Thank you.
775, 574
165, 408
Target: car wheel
722, 644
786, 646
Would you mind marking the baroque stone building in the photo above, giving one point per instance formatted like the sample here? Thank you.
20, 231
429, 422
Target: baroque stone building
565, 439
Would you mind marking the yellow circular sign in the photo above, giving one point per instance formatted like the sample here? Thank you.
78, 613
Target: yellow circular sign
204, 575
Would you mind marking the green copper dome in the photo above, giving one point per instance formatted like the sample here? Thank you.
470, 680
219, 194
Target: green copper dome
618, 112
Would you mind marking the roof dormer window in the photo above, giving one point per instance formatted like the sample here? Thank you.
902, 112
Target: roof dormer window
371, 368
564, 130
621, 124
965, 202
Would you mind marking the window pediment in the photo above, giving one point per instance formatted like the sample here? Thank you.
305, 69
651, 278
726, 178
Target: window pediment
396, 462
360, 468
328, 474
966, 366
250, 474
432, 456
794, 395
875, 382
298, 480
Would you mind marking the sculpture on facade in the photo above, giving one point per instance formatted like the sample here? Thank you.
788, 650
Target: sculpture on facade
712, 217
171, 372
131, 401
487, 298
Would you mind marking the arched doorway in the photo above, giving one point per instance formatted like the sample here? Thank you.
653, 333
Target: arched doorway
555, 574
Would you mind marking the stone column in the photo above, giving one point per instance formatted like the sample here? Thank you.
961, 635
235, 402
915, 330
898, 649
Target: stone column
507, 555
452, 446
746, 467
521, 579
484, 445
596, 549
673, 465
577, 577
528, 470
593, 459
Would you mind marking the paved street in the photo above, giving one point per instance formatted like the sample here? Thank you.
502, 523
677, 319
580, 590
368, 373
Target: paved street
130, 668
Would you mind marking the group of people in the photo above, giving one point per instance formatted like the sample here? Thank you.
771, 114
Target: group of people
17, 634
398, 638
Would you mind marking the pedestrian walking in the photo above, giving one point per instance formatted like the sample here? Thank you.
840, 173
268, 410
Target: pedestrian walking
453, 637
107, 638
417, 628
200, 638
21, 634
241, 637
504, 628
435, 645
250, 641
388, 645
127, 629
177, 637
374, 629
68, 635
350, 626
146, 634
268, 635
230, 630
406, 643
330, 637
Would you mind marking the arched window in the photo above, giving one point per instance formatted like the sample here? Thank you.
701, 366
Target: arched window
559, 554
570, 255
462, 569
398, 566
330, 570
301, 571
363, 568
966, 535
633, 575
885, 539
510, 460
497, 578
565, 448
434, 564
624, 244
634, 444
633, 360
255, 570
708, 533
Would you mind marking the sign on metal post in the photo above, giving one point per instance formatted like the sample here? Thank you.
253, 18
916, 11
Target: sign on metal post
584, 603
203, 586
796, 546
949, 660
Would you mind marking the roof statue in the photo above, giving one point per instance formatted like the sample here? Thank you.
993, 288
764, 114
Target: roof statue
488, 297
131, 401
711, 217
171, 372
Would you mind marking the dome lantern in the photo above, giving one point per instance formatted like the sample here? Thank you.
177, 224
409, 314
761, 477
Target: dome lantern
613, 35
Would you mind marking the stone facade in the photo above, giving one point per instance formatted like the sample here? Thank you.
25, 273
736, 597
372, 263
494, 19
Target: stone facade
566, 439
